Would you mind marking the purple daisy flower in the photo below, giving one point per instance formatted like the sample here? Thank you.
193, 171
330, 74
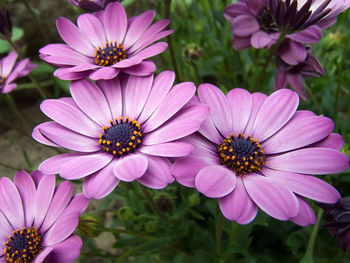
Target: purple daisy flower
292, 70
120, 130
10, 70
105, 44
92, 5
258, 23
37, 219
258, 151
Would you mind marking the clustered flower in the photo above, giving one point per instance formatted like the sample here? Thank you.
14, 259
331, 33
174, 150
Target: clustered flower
126, 124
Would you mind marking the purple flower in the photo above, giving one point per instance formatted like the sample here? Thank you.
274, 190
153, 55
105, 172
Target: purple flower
5, 23
105, 44
9, 71
258, 23
338, 217
292, 69
258, 151
120, 130
37, 219
92, 5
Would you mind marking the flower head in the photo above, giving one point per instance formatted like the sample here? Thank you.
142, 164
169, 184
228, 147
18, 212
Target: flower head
258, 23
10, 70
37, 219
293, 68
92, 5
105, 44
5, 23
258, 151
120, 130
338, 218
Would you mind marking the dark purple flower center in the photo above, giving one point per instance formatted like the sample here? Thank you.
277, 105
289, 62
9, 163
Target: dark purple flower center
2, 81
122, 137
111, 54
23, 245
266, 21
240, 154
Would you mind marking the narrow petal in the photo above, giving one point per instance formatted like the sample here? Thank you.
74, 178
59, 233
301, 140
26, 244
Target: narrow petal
298, 134
274, 199
333, 141
113, 94
150, 51
93, 30
240, 43
220, 111
260, 39
5, 228
7, 63
238, 206
162, 84
69, 139
101, 183
292, 52
297, 83
136, 93
215, 181
85, 165
71, 56
67, 251
158, 174
66, 74
73, 37
170, 149
91, 101
145, 68
310, 35
244, 25
130, 167
26, 188
63, 195
304, 185
115, 22
43, 254
55, 164
310, 161
43, 198
171, 104
258, 101
241, 103
11, 203
306, 215
280, 80
40, 138
276, 111
104, 73
70, 117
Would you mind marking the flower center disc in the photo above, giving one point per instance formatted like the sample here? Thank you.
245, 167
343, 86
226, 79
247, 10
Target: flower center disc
111, 54
266, 20
240, 154
23, 246
122, 137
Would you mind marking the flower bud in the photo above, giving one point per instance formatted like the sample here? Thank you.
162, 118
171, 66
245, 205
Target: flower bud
126, 214
164, 202
192, 51
194, 199
90, 225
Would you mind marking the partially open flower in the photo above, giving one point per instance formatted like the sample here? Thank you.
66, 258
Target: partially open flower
37, 220
5, 23
92, 5
293, 68
10, 70
105, 44
259, 23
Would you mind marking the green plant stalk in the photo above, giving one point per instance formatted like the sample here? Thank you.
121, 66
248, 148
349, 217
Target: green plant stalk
314, 100
308, 257
128, 232
30, 75
272, 52
151, 202
167, 11
219, 229
8, 99
339, 82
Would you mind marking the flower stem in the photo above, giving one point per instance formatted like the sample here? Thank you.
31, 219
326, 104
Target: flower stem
219, 229
272, 52
30, 75
151, 202
167, 11
308, 258
314, 100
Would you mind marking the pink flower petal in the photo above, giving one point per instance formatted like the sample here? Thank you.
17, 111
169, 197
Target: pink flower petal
274, 199
240, 43
292, 52
220, 111
238, 206
131, 167
91, 101
258, 101
101, 183
40, 138
143, 69
276, 111
68, 55
7, 63
261, 39
55, 164
306, 215
241, 103
5, 229
310, 35
310, 161
93, 30
85, 165
170, 149
115, 22
244, 25
171, 104
158, 174
11, 203
67, 251
27, 190
333, 141
280, 80
215, 181
113, 93
104, 73
150, 51
43, 254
